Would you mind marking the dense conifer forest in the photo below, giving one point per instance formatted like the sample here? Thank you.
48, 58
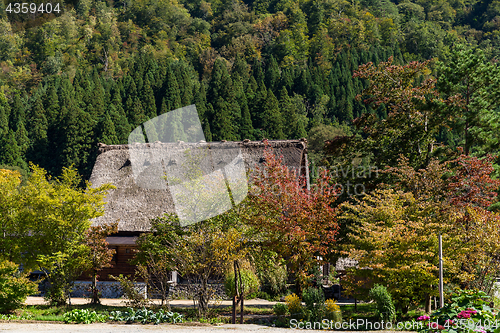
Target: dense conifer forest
277, 69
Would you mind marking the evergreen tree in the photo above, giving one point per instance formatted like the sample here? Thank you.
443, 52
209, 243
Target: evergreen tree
289, 114
148, 100
222, 95
78, 142
118, 116
22, 139
17, 113
258, 104
37, 133
223, 125
185, 83
240, 69
10, 153
172, 95
271, 119
51, 105
200, 101
106, 130
272, 76
171, 130
4, 118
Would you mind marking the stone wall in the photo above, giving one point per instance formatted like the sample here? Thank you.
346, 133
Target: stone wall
112, 289
108, 289
189, 291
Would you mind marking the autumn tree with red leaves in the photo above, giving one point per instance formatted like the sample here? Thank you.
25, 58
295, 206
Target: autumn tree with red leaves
100, 254
298, 224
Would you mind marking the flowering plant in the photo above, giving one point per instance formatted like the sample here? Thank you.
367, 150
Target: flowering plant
467, 312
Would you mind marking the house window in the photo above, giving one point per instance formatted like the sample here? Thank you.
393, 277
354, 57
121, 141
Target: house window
127, 250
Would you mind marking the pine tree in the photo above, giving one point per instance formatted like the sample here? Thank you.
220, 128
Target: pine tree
118, 116
222, 95
246, 128
271, 119
17, 113
37, 133
172, 129
22, 139
257, 105
240, 69
289, 114
78, 142
272, 76
172, 95
106, 130
148, 100
4, 118
51, 105
222, 124
185, 83
10, 154
200, 101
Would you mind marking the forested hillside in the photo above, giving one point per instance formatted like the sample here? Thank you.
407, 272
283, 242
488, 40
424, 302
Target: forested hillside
276, 69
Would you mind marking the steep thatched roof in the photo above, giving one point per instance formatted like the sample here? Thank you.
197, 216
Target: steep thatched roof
132, 206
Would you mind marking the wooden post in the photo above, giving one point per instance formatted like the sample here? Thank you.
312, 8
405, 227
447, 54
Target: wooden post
241, 309
233, 317
441, 297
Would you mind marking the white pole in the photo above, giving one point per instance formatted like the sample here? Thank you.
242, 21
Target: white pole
441, 298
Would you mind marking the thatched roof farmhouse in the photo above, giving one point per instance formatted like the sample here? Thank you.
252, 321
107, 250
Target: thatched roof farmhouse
133, 206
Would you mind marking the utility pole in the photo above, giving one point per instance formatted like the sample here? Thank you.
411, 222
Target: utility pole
441, 298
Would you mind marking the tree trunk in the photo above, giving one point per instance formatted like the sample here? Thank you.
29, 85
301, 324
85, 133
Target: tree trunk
428, 303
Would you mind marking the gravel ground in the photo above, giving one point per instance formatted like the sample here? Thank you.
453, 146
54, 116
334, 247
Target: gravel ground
115, 328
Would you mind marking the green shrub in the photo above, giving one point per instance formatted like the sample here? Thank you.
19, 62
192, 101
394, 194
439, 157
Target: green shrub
84, 316
135, 298
272, 274
280, 309
385, 306
315, 303
14, 288
250, 281
145, 316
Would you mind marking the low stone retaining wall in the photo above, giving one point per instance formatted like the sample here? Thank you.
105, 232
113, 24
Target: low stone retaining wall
189, 291
108, 289
112, 289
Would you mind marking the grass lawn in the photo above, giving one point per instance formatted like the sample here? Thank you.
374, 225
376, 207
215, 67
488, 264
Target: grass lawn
55, 313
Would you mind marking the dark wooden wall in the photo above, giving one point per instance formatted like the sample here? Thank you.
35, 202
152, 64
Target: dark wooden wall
121, 264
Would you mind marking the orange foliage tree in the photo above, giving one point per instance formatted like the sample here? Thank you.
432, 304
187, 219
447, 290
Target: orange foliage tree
298, 224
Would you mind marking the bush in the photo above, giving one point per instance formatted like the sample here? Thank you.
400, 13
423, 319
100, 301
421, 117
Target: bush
294, 304
315, 303
84, 316
332, 311
14, 288
250, 281
272, 273
146, 316
385, 306
136, 298
280, 309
